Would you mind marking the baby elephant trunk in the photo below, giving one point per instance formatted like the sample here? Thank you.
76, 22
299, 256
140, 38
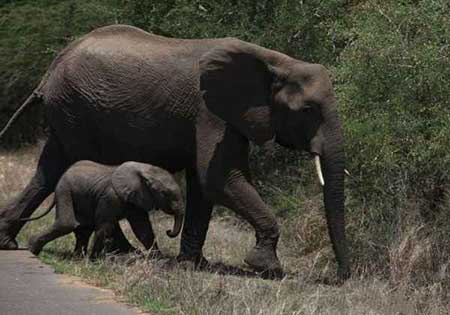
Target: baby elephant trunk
177, 224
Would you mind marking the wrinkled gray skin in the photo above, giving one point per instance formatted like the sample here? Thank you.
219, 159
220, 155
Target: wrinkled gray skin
121, 94
91, 196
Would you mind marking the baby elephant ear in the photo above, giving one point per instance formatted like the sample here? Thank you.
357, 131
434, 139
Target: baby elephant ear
128, 184
236, 86
167, 195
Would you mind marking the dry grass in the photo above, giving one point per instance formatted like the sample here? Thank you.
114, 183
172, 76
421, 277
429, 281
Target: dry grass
411, 277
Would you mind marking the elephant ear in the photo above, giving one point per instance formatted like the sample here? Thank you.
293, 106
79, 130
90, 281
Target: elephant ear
129, 184
162, 185
236, 87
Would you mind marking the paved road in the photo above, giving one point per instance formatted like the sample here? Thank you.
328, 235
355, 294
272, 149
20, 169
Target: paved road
28, 286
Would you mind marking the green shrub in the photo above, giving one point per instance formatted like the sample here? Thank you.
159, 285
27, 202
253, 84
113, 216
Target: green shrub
31, 35
392, 82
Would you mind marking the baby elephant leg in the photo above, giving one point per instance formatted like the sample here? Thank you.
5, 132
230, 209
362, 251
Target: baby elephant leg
103, 239
82, 235
120, 243
64, 224
37, 242
142, 228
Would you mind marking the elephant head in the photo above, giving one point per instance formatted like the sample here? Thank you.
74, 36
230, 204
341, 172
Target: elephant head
264, 94
149, 187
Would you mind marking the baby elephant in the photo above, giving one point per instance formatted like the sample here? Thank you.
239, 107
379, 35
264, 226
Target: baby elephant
93, 197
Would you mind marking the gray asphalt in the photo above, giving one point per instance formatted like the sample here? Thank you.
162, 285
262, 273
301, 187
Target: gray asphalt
30, 287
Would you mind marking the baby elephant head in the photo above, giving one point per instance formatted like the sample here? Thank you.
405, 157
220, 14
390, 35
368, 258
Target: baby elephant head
149, 187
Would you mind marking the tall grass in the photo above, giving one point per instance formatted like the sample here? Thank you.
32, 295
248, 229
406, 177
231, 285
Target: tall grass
400, 268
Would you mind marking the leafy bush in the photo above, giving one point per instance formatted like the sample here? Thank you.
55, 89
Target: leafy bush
31, 35
392, 82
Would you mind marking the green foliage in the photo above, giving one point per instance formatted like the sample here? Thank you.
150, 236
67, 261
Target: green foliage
392, 82
31, 34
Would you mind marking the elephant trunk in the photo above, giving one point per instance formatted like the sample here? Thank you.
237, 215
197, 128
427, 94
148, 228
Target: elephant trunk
333, 163
177, 225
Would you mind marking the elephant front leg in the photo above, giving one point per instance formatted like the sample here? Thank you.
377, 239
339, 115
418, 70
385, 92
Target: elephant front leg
196, 221
82, 236
120, 244
225, 178
142, 228
103, 239
239, 195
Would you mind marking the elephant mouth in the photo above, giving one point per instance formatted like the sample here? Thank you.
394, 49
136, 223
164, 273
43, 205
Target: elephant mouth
313, 155
287, 144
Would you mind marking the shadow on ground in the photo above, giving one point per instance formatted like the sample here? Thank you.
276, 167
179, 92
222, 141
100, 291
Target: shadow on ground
170, 262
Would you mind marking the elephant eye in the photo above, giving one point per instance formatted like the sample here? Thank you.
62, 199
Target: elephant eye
310, 107
307, 108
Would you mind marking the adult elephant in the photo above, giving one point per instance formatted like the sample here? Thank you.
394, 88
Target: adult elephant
120, 94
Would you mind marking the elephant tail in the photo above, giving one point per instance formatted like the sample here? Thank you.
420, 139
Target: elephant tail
50, 207
34, 98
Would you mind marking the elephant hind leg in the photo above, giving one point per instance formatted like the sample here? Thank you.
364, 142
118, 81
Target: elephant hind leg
36, 243
65, 221
51, 166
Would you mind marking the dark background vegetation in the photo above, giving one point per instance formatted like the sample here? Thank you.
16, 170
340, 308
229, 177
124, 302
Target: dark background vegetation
390, 62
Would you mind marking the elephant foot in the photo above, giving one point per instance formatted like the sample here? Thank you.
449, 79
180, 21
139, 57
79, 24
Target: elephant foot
265, 261
197, 262
80, 253
120, 251
150, 254
155, 253
343, 274
34, 245
118, 248
7, 242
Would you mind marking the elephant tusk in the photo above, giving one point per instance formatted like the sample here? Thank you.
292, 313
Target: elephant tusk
347, 172
319, 170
